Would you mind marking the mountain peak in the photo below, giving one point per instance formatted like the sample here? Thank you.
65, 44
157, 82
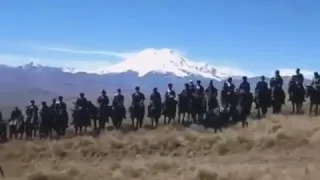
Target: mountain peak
164, 61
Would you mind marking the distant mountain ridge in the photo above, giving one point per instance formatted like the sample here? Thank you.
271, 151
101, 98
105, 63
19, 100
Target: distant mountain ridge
34, 81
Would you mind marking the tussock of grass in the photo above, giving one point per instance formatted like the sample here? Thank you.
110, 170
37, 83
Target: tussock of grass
275, 148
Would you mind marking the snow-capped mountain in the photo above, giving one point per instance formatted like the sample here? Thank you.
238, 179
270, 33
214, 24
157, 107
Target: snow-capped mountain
164, 61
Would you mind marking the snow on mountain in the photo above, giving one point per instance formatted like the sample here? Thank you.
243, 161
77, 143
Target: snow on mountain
164, 61
36, 67
150, 61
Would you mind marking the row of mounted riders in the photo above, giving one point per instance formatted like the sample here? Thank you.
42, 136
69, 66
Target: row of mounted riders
195, 102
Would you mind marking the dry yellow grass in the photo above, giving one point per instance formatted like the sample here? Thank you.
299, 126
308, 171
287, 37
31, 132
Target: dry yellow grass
279, 147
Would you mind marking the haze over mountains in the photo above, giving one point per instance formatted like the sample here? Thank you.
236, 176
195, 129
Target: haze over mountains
149, 68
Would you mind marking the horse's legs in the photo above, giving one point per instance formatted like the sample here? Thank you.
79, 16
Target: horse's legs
258, 113
310, 108
293, 107
141, 122
156, 121
95, 123
152, 122
137, 123
132, 122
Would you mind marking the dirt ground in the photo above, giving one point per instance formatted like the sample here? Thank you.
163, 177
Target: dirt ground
280, 147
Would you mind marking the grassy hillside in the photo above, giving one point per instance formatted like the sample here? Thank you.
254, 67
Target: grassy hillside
279, 147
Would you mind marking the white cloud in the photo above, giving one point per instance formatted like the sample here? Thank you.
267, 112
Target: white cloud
80, 65
307, 73
89, 52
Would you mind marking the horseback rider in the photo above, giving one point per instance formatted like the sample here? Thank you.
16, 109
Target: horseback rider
118, 99
298, 80
138, 98
211, 89
212, 94
103, 100
61, 106
118, 102
227, 91
61, 109
262, 85
82, 102
155, 97
170, 93
192, 87
16, 113
245, 85
53, 105
199, 89
276, 82
32, 111
316, 82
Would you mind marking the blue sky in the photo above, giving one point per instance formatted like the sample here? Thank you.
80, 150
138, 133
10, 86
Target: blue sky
258, 35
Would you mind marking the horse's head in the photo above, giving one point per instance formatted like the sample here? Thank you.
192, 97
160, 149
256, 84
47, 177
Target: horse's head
309, 90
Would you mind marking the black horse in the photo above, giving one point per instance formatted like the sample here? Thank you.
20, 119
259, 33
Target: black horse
154, 113
314, 98
137, 112
184, 108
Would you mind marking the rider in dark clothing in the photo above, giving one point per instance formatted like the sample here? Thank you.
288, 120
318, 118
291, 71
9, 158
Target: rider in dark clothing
299, 78
276, 80
245, 85
316, 81
32, 110
199, 88
296, 81
118, 99
61, 106
211, 89
227, 90
118, 102
186, 91
82, 102
170, 93
192, 87
228, 86
103, 100
138, 98
212, 94
155, 96
53, 105
16, 113
45, 111
262, 86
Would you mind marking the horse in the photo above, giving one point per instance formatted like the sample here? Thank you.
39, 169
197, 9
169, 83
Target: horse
137, 111
16, 127
262, 101
184, 107
81, 117
169, 108
240, 109
154, 112
31, 123
198, 107
314, 97
297, 95
277, 97
216, 118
